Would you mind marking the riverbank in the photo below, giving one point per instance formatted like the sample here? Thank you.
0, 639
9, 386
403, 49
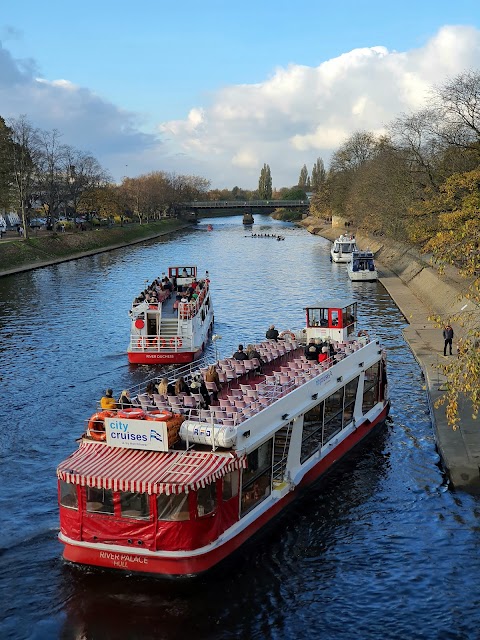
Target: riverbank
17, 255
420, 291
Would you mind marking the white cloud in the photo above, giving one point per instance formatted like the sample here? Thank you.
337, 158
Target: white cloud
297, 114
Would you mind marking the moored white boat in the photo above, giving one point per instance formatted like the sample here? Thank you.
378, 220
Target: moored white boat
169, 323
361, 268
142, 493
342, 248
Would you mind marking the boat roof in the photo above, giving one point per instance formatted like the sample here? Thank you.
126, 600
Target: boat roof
333, 303
95, 464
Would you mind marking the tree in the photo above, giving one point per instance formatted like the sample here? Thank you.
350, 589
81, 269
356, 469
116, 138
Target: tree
455, 240
265, 183
303, 178
319, 175
25, 157
6, 166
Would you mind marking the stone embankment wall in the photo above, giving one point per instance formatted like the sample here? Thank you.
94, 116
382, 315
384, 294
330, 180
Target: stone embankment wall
442, 293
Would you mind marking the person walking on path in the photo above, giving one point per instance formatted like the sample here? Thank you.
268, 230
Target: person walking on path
448, 337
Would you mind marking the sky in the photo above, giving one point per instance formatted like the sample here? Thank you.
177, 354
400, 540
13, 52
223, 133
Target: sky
218, 88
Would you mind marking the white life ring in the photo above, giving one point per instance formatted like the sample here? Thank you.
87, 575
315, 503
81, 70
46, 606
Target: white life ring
288, 333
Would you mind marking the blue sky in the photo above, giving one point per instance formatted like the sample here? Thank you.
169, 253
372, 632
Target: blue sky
218, 88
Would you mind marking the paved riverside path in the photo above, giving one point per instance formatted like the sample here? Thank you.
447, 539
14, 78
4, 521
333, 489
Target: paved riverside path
459, 449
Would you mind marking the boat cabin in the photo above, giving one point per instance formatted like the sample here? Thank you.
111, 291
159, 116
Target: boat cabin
363, 261
334, 319
182, 275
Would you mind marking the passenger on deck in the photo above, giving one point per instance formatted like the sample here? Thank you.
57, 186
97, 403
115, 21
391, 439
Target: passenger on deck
240, 353
181, 387
311, 352
108, 401
150, 389
253, 353
165, 388
124, 402
197, 385
272, 333
212, 376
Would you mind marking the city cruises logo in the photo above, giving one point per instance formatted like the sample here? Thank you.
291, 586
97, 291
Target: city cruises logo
136, 434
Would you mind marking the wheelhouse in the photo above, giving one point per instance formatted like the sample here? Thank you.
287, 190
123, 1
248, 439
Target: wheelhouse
335, 319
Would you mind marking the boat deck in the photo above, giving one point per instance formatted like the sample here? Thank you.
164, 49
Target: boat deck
247, 387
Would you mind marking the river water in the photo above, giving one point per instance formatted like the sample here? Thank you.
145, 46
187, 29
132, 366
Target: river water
382, 548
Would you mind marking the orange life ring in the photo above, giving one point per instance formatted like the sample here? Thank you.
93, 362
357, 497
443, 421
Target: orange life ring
96, 425
163, 343
152, 343
362, 332
132, 413
140, 343
176, 341
287, 333
159, 416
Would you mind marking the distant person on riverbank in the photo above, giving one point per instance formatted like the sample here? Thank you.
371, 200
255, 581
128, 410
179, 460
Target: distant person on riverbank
108, 401
448, 338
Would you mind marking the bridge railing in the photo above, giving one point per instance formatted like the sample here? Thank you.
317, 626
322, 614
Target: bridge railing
241, 204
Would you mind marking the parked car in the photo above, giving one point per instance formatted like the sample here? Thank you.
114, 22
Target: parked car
37, 223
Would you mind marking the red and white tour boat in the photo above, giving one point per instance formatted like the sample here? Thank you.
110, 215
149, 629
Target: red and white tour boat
169, 323
168, 487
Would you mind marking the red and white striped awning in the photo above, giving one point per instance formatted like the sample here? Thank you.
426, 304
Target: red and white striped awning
98, 465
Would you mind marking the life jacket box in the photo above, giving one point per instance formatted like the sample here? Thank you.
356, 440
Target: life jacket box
201, 433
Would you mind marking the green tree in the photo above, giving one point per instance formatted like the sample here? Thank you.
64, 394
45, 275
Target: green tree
319, 175
303, 178
6, 167
265, 183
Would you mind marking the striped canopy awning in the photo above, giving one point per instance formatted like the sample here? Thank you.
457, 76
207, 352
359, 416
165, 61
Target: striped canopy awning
98, 465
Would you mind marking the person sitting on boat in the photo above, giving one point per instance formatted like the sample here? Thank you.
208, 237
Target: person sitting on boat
212, 376
197, 385
150, 389
165, 388
181, 387
240, 353
108, 401
252, 353
323, 355
124, 402
311, 351
272, 333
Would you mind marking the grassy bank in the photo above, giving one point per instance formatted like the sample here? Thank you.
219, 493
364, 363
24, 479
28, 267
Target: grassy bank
52, 247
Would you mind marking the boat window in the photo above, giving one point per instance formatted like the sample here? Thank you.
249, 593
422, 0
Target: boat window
68, 495
334, 314
370, 388
350, 396
206, 499
99, 500
312, 431
173, 507
333, 415
318, 317
134, 505
231, 483
257, 477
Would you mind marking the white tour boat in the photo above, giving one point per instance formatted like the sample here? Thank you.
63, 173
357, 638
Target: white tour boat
342, 248
361, 267
168, 487
169, 323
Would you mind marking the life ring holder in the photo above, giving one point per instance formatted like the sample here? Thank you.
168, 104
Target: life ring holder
159, 416
132, 413
96, 425
287, 333
176, 341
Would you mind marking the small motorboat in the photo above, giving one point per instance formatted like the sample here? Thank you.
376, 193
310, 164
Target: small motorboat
361, 268
343, 248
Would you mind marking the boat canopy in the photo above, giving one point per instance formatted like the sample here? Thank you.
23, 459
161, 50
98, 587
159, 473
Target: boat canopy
98, 465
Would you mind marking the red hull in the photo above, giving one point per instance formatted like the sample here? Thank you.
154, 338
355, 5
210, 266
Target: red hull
194, 564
